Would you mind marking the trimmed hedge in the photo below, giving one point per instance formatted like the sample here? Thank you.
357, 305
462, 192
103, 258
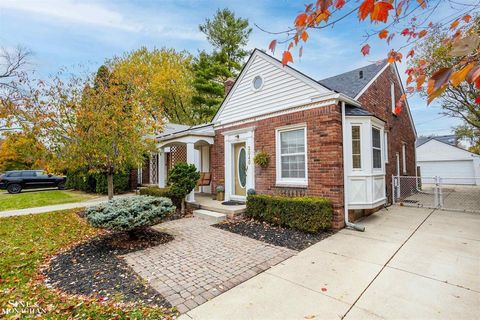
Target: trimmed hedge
310, 214
97, 183
160, 192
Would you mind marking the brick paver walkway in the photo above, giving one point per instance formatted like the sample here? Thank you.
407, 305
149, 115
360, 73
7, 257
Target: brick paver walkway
202, 262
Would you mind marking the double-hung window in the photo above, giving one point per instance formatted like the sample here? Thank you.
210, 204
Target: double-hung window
292, 156
356, 148
377, 149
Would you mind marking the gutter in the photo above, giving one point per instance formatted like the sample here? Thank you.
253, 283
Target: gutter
348, 224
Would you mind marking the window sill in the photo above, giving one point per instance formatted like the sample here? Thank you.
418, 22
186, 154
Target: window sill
298, 185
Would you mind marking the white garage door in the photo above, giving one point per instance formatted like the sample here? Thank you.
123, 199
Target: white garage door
455, 171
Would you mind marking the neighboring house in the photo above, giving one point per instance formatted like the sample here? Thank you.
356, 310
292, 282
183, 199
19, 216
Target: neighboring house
440, 157
316, 132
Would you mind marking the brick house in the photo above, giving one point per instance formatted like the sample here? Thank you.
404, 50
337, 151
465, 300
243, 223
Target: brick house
338, 137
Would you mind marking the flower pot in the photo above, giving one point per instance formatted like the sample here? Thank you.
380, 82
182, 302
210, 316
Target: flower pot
220, 196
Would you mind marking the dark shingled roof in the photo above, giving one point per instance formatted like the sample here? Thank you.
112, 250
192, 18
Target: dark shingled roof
448, 139
356, 111
350, 83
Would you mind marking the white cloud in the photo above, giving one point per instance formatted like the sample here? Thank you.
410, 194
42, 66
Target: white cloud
74, 12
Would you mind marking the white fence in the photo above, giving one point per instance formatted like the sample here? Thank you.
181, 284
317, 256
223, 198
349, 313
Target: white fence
437, 192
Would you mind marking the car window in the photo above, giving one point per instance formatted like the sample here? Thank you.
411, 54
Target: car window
15, 174
41, 173
28, 174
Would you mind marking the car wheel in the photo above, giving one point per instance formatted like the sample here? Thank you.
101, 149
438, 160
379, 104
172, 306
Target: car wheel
62, 186
14, 188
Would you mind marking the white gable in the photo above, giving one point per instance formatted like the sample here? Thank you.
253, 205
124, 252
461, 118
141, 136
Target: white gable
434, 150
283, 88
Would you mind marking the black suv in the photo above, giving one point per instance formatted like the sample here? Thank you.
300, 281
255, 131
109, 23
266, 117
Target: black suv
15, 181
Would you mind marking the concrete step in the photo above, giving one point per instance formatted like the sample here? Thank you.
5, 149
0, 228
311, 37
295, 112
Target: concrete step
208, 215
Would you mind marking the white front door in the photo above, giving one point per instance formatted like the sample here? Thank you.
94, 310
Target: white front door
239, 167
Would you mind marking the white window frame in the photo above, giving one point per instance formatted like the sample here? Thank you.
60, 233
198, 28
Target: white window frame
404, 158
360, 139
301, 182
376, 148
392, 96
385, 147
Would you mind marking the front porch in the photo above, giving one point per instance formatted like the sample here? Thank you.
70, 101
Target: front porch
206, 202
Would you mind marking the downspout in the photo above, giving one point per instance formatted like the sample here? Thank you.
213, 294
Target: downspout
348, 224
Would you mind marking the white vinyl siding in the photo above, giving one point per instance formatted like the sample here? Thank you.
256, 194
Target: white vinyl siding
377, 149
291, 160
356, 148
280, 90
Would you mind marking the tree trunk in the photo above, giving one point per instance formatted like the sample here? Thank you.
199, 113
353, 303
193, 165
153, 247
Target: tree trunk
110, 186
182, 210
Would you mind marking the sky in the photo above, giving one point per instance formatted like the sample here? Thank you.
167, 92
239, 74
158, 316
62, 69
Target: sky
82, 34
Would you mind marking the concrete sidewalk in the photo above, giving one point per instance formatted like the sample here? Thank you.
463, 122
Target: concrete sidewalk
409, 264
58, 207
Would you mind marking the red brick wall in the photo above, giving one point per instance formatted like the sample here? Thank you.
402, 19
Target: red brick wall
377, 99
324, 155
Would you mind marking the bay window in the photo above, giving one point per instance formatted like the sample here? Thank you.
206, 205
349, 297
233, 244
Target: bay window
377, 148
356, 148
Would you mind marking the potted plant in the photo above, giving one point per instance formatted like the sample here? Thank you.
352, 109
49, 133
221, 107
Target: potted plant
220, 193
261, 159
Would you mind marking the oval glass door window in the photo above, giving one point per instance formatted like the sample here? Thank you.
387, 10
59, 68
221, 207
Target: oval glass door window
242, 167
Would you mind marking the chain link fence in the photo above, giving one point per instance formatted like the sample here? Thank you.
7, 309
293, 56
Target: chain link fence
456, 194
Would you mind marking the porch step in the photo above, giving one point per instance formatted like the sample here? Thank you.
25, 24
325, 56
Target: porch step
208, 215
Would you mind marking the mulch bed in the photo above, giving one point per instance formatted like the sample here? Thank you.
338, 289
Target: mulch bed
276, 235
94, 269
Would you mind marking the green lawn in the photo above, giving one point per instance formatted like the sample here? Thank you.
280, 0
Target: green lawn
25, 243
31, 199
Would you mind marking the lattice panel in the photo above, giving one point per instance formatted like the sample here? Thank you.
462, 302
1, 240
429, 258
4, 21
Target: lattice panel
154, 168
177, 154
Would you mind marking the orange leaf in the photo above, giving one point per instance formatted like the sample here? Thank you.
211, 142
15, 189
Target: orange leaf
365, 49
301, 20
339, 4
460, 75
422, 3
398, 107
473, 74
323, 16
290, 46
286, 58
454, 24
420, 80
422, 33
365, 9
304, 36
380, 11
467, 18
439, 79
477, 100
272, 46
410, 53
383, 34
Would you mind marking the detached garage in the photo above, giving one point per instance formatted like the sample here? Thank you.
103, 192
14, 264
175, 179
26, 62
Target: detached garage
436, 156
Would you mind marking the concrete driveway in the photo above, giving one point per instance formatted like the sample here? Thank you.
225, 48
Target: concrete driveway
410, 263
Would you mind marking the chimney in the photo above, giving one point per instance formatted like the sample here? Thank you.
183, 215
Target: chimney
228, 84
360, 74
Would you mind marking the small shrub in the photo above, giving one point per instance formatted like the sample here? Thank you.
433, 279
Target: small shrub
160, 192
82, 180
183, 179
129, 214
262, 159
220, 189
310, 214
251, 192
